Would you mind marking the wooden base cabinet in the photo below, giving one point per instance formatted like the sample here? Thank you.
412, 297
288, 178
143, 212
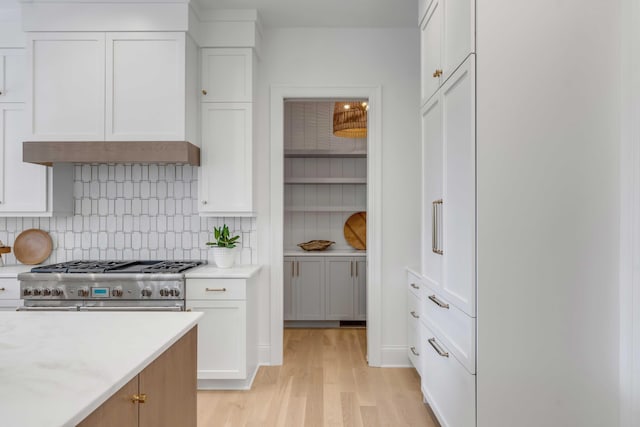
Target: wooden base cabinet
227, 333
162, 395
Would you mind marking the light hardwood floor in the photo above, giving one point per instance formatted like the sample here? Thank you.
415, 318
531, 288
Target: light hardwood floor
324, 381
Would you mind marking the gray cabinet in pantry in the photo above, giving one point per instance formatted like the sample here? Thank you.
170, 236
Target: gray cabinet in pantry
324, 288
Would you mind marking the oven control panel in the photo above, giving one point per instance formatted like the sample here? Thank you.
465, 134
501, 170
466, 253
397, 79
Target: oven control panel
115, 291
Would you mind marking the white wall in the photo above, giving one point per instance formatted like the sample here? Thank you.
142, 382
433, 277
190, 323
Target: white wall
355, 57
548, 212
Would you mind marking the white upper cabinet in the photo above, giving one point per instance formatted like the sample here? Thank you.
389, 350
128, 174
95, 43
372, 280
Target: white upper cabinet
145, 86
227, 75
107, 86
226, 150
23, 186
12, 66
459, 206
431, 47
459, 33
66, 74
226, 167
447, 37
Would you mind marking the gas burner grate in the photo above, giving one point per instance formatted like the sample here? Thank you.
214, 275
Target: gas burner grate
171, 266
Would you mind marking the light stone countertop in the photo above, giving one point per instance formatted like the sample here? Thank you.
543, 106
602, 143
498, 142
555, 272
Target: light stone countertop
210, 271
327, 252
56, 368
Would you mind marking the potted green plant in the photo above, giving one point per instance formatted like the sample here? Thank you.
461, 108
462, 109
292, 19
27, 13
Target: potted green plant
224, 253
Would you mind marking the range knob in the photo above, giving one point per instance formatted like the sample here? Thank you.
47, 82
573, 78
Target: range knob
116, 292
46, 292
27, 292
146, 292
57, 292
175, 292
83, 292
37, 292
164, 292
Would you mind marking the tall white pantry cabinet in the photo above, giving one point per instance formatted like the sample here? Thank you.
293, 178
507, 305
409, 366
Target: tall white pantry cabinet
442, 295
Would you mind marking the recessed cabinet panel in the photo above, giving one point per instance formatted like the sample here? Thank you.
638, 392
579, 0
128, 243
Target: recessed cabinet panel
430, 44
226, 153
227, 75
310, 295
360, 298
432, 153
221, 339
458, 107
67, 86
145, 86
12, 68
289, 274
23, 186
339, 288
459, 35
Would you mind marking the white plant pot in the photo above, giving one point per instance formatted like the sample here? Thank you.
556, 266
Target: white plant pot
224, 257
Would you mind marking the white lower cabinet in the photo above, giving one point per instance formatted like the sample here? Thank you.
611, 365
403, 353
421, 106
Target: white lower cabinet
441, 342
227, 338
447, 386
9, 294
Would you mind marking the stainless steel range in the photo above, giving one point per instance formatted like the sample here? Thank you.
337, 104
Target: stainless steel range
106, 286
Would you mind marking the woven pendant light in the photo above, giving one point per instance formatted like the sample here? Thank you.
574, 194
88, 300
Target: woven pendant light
350, 119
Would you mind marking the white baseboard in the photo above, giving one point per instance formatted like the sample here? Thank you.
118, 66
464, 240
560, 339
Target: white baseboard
228, 384
395, 356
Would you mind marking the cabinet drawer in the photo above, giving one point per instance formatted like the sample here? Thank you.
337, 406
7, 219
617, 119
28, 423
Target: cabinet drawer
216, 289
452, 326
9, 289
414, 284
415, 348
413, 310
446, 385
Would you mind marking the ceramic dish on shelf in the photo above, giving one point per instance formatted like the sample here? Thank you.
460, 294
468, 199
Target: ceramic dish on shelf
316, 245
32, 246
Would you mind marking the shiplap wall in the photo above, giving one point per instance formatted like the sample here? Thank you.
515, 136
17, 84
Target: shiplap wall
319, 211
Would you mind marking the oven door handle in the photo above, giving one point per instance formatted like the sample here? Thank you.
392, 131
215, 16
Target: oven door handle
22, 308
158, 308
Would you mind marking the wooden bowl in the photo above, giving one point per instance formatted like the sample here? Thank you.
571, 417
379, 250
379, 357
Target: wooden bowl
32, 246
316, 245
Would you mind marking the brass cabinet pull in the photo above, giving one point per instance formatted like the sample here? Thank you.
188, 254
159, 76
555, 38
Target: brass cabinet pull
356, 263
438, 302
2, 289
216, 289
139, 398
436, 225
351, 264
414, 286
298, 262
293, 268
204, 92
437, 348
437, 73
413, 350
413, 313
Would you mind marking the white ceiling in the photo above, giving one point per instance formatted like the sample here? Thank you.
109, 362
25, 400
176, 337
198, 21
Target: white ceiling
327, 13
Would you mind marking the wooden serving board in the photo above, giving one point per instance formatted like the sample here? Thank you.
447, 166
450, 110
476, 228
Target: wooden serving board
32, 246
355, 230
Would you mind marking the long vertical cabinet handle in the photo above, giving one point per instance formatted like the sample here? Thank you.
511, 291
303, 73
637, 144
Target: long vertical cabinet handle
436, 227
293, 269
298, 264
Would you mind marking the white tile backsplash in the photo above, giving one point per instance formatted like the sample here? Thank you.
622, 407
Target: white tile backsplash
133, 212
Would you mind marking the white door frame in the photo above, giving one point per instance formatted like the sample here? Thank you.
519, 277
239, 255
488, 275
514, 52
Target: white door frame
374, 209
630, 218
